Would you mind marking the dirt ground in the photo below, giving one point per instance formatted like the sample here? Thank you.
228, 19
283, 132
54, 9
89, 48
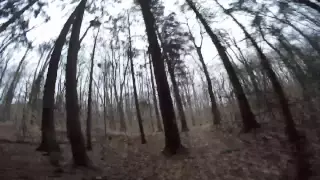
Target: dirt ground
212, 155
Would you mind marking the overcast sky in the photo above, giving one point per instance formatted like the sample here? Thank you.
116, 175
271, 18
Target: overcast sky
51, 29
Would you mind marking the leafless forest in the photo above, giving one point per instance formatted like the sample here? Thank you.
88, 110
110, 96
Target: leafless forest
160, 89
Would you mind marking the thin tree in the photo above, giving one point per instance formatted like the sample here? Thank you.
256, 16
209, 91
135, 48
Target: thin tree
214, 108
12, 87
154, 96
135, 94
89, 114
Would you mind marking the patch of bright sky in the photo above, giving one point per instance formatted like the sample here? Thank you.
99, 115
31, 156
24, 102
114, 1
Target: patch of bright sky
51, 29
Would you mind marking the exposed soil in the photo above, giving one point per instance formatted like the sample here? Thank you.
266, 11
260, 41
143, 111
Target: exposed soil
212, 155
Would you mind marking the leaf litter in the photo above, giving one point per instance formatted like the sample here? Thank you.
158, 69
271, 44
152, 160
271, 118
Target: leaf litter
212, 154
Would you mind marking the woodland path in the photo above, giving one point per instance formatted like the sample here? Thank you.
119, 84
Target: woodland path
211, 156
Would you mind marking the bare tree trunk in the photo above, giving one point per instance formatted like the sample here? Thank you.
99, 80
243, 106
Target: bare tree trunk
10, 93
48, 134
172, 138
136, 101
84, 34
150, 109
303, 166
214, 108
119, 101
184, 126
154, 97
75, 136
248, 118
89, 115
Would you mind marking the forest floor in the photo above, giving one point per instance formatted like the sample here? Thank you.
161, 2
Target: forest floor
213, 155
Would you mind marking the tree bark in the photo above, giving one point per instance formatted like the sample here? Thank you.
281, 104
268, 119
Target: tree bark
136, 101
303, 166
75, 136
177, 96
214, 107
48, 134
248, 118
11, 90
172, 137
89, 114
154, 97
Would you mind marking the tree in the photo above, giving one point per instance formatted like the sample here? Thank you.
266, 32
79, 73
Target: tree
75, 136
37, 80
131, 54
293, 136
154, 96
118, 83
48, 141
214, 108
89, 114
12, 87
248, 119
172, 137
173, 40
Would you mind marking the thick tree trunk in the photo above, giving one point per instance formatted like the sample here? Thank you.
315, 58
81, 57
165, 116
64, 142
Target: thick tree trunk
75, 136
176, 92
172, 137
89, 114
16, 16
48, 137
248, 118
